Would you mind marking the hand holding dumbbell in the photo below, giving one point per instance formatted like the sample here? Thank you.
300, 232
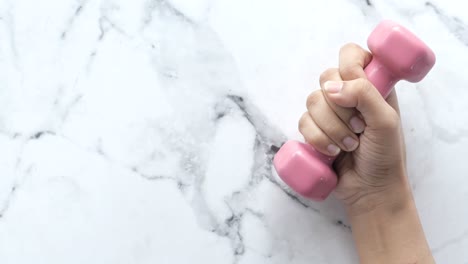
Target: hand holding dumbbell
397, 55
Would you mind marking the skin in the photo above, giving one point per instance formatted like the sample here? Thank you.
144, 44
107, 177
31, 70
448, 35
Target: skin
349, 116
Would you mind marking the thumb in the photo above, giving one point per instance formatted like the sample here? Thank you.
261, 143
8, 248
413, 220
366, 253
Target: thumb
363, 96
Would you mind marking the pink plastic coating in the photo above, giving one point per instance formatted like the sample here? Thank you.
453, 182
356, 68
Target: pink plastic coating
397, 55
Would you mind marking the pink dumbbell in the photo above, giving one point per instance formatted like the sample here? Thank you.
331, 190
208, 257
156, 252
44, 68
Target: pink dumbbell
397, 55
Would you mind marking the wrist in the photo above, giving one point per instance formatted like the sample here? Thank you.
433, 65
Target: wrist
390, 197
386, 227
391, 235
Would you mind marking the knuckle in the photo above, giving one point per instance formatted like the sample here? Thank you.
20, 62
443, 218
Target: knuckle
363, 86
311, 134
350, 72
302, 122
316, 138
314, 98
349, 46
328, 74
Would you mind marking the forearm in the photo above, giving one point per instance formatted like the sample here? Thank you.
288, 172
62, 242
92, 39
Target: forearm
391, 232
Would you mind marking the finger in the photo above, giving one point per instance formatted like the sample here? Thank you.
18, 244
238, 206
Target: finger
348, 115
315, 136
353, 59
362, 95
327, 120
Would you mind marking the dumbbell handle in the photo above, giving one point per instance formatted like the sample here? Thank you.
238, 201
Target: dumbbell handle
380, 77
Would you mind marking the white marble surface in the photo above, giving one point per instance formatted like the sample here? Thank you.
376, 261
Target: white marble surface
141, 131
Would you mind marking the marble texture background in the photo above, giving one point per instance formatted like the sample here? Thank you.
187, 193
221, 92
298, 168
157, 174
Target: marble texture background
142, 131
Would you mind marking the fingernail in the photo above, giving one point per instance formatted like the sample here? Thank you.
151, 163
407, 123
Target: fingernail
333, 87
333, 150
357, 124
350, 143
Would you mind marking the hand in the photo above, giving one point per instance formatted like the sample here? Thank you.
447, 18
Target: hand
372, 169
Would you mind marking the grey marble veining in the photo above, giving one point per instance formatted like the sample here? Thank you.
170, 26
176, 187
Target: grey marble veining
143, 131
